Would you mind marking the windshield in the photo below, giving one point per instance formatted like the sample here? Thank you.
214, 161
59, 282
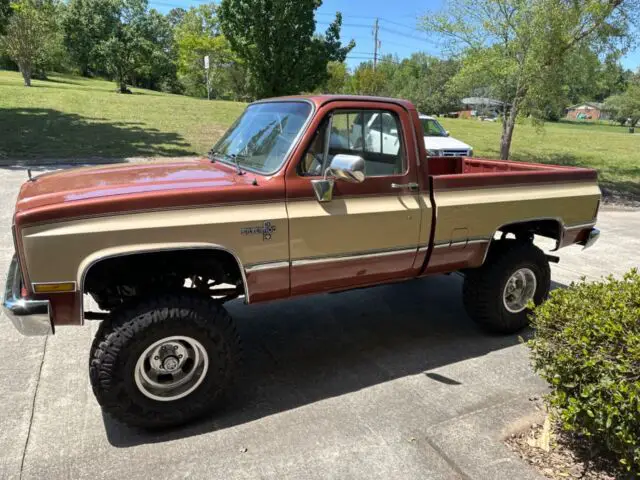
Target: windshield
262, 137
432, 128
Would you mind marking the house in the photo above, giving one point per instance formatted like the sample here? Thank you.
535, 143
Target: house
480, 107
587, 111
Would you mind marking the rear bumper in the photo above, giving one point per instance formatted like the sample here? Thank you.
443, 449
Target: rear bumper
592, 237
30, 317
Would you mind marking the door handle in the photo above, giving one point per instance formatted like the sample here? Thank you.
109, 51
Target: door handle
411, 186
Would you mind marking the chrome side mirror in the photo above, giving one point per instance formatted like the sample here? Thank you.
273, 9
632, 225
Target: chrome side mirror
323, 189
446, 134
349, 168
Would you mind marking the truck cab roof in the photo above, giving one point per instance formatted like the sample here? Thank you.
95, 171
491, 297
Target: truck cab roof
320, 100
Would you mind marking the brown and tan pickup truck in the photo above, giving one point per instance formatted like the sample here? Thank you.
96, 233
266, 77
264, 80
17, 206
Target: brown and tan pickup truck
296, 198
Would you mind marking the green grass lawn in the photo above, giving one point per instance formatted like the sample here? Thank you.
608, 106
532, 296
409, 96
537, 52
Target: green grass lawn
72, 118
610, 149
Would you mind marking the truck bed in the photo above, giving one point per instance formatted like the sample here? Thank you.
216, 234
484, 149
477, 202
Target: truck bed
457, 172
475, 197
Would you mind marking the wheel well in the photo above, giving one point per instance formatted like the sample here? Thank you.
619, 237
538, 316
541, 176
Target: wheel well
524, 231
549, 228
113, 280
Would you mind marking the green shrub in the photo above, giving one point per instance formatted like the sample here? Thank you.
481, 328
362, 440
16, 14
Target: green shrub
587, 346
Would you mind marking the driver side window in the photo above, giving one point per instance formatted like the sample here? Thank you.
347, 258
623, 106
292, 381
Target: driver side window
374, 135
311, 163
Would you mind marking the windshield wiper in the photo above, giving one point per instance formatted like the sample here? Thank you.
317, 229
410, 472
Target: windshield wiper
211, 155
235, 158
232, 156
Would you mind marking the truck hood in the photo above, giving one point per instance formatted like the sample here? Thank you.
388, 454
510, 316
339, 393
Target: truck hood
444, 143
154, 183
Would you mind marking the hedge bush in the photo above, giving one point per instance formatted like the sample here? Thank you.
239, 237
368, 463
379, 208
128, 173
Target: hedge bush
587, 346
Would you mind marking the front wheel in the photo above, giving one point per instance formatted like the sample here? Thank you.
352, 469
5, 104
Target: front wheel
164, 361
496, 295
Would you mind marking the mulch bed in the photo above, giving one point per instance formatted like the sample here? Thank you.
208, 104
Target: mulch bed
568, 455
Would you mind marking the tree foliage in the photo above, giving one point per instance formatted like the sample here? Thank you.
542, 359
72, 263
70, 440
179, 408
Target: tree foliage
519, 48
176, 16
139, 47
625, 107
5, 11
198, 35
368, 81
30, 33
86, 25
423, 79
276, 39
337, 78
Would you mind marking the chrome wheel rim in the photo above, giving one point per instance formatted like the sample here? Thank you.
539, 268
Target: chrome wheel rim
519, 290
171, 368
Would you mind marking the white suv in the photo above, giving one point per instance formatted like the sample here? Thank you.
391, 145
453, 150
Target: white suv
438, 142
382, 132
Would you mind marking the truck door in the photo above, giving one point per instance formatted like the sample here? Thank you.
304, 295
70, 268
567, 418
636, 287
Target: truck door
369, 231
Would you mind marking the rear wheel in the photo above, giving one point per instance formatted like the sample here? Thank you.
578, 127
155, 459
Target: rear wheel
496, 295
163, 361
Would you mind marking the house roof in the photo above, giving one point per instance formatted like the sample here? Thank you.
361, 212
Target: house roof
597, 105
487, 102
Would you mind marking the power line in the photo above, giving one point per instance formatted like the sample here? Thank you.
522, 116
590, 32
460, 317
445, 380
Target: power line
369, 17
385, 29
349, 24
353, 25
386, 20
365, 17
370, 59
397, 44
406, 35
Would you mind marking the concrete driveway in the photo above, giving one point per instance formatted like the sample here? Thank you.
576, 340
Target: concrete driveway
391, 382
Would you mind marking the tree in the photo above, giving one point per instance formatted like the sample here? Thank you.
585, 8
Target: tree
29, 33
139, 46
276, 41
158, 70
198, 35
86, 24
518, 48
424, 80
5, 12
56, 57
176, 16
367, 81
337, 77
626, 106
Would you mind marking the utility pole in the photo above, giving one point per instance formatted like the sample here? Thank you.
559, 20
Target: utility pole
375, 44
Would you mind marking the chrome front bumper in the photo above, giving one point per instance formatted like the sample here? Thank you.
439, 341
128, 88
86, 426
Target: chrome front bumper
30, 317
592, 237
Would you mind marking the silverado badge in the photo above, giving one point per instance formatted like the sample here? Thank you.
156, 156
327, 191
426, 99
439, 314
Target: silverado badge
266, 230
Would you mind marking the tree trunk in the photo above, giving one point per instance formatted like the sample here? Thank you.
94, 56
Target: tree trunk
508, 124
26, 74
123, 87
